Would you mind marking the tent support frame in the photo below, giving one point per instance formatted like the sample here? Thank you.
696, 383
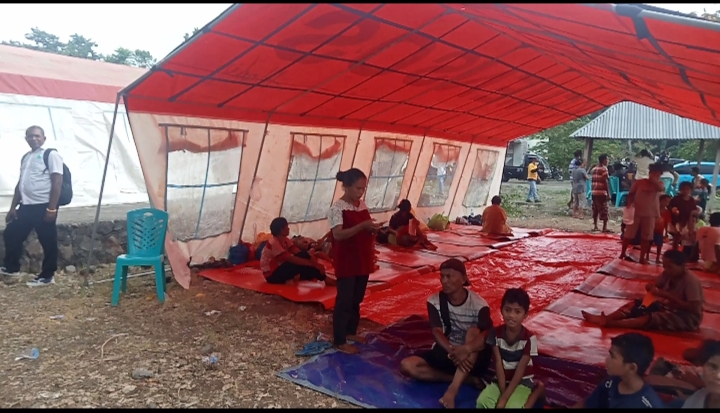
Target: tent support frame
462, 170
412, 178
257, 166
102, 189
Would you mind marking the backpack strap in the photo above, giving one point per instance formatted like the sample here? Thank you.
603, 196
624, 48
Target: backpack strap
46, 157
445, 312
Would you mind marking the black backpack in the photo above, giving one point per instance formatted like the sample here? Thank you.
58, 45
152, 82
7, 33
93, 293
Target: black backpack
66, 191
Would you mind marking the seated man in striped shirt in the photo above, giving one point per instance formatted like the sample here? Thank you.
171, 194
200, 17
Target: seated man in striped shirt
460, 321
513, 347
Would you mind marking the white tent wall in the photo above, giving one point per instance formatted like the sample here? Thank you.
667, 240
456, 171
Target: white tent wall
79, 130
219, 179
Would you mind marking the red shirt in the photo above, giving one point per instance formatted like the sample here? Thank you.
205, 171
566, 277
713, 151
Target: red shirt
276, 251
353, 256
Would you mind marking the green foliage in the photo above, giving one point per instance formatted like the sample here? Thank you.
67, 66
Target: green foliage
187, 36
558, 147
82, 47
689, 150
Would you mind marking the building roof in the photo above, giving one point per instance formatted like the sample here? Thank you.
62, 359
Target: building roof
30, 72
628, 120
484, 73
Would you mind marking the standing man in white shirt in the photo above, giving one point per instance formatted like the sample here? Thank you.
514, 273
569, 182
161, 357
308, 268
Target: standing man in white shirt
708, 238
37, 194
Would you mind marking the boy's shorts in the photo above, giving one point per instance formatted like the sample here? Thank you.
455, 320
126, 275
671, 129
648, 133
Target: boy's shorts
658, 239
489, 397
438, 359
645, 226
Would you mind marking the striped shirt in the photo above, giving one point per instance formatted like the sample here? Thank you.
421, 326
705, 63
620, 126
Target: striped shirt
511, 352
474, 312
600, 181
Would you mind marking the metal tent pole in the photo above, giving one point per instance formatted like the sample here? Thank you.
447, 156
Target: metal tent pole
716, 170
257, 166
462, 171
102, 188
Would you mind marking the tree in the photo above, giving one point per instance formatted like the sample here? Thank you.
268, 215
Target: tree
557, 146
82, 47
187, 36
708, 16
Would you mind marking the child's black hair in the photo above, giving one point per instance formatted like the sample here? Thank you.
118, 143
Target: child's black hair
516, 296
675, 256
664, 197
685, 184
496, 200
277, 225
709, 349
349, 177
715, 219
635, 348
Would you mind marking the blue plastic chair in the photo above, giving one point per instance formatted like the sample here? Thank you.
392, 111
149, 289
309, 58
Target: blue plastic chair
146, 229
668, 182
615, 189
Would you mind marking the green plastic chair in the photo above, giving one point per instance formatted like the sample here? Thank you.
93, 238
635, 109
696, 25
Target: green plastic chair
615, 189
146, 228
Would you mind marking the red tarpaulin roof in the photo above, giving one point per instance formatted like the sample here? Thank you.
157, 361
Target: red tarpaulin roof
488, 72
34, 73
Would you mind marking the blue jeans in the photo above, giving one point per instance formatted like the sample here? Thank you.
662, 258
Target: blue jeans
533, 195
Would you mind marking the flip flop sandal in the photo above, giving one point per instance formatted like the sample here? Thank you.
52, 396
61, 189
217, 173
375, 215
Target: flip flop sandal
314, 348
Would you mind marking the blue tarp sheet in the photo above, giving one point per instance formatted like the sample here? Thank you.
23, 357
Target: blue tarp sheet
372, 378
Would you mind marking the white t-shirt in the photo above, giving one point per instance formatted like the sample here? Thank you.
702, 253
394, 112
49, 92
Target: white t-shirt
643, 167
708, 237
35, 181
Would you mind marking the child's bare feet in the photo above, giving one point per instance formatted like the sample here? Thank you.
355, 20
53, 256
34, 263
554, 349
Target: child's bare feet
448, 399
348, 348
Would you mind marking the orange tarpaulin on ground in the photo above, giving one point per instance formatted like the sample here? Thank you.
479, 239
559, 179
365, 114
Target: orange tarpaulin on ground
483, 72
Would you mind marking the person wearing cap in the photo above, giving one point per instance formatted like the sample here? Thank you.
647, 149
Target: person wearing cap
405, 229
460, 321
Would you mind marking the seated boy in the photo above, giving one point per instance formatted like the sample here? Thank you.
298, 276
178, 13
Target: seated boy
282, 262
707, 397
460, 321
682, 207
629, 358
312, 247
513, 349
494, 219
674, 302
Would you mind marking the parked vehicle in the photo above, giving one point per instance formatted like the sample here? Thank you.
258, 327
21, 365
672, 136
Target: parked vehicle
684, 169
556, 174
520, 171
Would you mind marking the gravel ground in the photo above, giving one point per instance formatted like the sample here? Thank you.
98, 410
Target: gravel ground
144, 354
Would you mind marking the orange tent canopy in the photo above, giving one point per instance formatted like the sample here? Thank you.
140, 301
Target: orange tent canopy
488, 73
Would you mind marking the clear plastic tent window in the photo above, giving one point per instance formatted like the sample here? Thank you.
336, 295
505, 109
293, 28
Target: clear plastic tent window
203, 166
440, 174
311, 180
482, 177
387, 173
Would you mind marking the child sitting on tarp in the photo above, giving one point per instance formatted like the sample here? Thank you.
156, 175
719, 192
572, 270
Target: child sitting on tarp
674, 302
321, 249
708, 238
629, 358
513, 349
406, 227
708, 356
459, 320
283, 263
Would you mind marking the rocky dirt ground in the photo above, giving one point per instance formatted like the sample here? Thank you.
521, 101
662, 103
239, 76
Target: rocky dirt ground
144, 354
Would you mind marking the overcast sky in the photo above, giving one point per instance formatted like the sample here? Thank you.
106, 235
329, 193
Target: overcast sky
157, 28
